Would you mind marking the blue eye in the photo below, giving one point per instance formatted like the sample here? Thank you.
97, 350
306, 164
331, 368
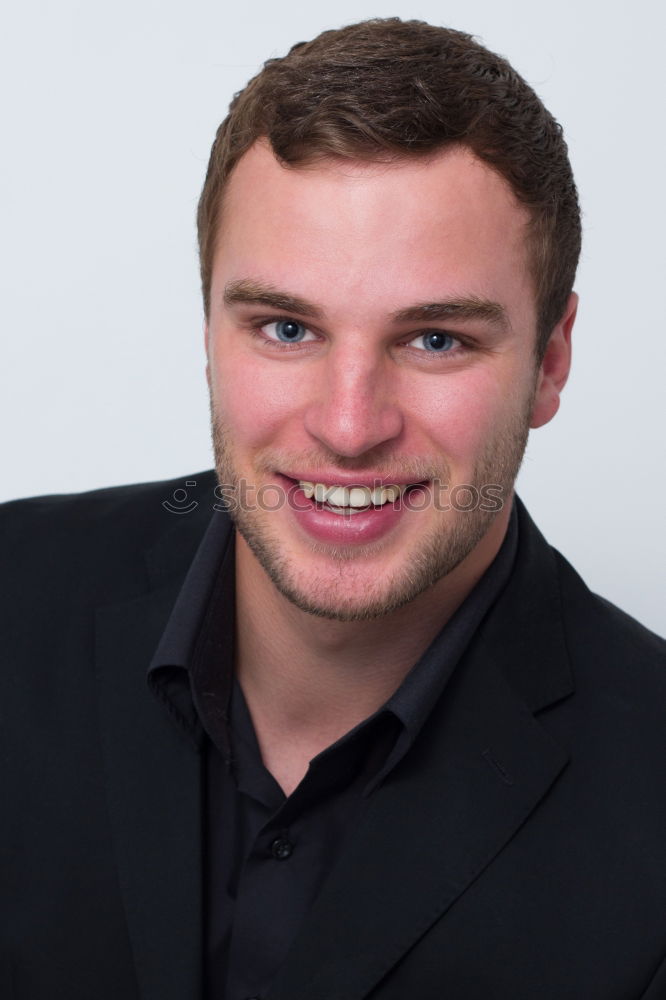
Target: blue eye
286, 331
289, 331
435, 341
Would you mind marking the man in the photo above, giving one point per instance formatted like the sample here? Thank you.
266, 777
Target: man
368, 736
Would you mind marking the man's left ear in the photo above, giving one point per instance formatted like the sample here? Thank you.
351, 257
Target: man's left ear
206, 343
554, 369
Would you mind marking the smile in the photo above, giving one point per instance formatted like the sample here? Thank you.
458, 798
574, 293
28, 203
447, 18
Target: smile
347, 513
350, 499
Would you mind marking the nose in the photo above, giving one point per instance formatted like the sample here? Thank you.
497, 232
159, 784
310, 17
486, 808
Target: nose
353, 406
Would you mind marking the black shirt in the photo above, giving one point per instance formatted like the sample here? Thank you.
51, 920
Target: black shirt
267, 855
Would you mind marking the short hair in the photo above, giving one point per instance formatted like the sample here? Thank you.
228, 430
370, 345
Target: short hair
386, 89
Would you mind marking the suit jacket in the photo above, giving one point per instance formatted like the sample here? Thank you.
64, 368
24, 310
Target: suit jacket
518, 851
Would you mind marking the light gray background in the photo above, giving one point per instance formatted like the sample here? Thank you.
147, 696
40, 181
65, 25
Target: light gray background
110, 110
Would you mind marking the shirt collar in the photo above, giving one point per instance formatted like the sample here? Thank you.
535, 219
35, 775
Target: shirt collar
181, 634
205, 599
426, 680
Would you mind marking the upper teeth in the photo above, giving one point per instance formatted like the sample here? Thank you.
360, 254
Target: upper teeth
351, 496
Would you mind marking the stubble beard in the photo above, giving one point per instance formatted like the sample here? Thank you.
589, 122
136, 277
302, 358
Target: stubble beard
441, 549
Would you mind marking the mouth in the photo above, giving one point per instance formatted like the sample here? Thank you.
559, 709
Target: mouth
350, 500
352, 512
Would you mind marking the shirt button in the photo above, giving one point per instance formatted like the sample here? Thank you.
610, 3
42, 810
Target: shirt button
281, 849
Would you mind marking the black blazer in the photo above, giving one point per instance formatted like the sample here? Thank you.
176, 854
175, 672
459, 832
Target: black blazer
517, 853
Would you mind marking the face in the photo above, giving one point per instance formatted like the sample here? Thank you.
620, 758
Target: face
372, 372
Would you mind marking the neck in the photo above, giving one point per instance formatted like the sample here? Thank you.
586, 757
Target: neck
308, 680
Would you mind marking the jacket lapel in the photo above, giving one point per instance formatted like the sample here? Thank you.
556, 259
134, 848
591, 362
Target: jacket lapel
465, 788
154, 782
479, 768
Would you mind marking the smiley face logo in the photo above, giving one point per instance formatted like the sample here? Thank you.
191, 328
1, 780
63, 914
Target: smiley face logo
178, 503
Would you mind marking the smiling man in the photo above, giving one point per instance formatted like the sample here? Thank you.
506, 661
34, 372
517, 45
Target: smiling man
346, 726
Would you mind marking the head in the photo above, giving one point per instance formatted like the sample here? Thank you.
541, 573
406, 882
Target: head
388, 233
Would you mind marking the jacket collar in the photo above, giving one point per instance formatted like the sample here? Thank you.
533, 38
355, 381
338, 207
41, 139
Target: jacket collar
526, 632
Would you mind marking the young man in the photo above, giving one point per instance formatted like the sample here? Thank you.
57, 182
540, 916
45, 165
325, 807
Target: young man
357, 731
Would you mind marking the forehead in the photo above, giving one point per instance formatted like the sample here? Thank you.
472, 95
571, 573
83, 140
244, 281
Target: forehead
375, 233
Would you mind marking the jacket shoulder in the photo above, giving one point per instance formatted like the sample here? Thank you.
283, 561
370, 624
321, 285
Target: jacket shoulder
594, 625
99, 532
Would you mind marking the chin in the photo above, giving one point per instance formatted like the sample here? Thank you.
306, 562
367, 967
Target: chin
353, 585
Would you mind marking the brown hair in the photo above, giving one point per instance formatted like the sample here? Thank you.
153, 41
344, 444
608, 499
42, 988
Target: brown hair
386, 88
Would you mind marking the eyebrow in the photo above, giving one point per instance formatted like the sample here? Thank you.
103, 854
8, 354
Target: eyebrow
249, 292
471, 308
256, 293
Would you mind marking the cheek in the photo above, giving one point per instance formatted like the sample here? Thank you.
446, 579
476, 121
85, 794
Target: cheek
251, 399
459, 413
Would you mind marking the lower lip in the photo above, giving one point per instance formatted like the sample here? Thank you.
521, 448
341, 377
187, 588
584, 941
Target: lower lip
326, 527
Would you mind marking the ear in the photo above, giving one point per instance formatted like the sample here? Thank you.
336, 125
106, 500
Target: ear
554, 369
206, 345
